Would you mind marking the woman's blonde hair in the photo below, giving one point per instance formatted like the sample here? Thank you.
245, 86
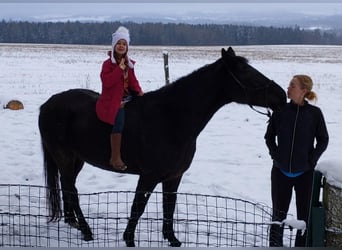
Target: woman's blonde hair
307, 83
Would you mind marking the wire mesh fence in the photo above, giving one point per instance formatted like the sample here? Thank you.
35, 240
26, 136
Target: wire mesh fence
199, 220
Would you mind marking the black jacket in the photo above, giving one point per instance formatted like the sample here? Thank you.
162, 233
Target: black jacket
291, 134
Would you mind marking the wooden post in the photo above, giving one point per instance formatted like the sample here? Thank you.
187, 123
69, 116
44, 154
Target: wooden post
166, 67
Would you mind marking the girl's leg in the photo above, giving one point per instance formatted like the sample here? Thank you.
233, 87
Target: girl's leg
115, 142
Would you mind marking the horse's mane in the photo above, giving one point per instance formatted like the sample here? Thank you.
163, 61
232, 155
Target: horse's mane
179, 83
194, 77
236, 60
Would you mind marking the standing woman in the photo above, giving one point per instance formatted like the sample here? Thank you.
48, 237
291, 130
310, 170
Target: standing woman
119, 83
296, 137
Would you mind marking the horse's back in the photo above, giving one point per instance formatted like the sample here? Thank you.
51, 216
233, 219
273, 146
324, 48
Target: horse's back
70, 99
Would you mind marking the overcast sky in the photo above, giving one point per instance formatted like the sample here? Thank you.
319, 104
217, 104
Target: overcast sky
119, 11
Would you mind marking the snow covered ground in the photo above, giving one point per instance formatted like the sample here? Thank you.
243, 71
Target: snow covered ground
231, 149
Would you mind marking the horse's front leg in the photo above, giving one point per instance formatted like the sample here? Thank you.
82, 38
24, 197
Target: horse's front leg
142, 194
170, 188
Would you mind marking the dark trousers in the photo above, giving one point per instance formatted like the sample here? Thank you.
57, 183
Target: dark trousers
119, 122
281, 190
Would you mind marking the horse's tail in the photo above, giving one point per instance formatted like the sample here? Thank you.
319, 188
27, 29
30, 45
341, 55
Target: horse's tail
53, 196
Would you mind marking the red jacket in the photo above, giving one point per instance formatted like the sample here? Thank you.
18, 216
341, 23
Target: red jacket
112, 78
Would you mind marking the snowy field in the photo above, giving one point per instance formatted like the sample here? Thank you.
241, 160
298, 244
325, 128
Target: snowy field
231, 158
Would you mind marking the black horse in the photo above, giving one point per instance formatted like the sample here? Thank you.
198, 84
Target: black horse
159, 137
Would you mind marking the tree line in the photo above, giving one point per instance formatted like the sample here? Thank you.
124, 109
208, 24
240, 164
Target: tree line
181, 34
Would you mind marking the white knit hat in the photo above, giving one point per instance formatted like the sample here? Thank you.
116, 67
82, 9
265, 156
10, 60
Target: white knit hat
121, 33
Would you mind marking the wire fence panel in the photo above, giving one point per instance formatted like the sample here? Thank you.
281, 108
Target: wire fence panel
199, 220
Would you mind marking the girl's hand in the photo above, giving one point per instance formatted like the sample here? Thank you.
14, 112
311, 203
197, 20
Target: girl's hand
122, 64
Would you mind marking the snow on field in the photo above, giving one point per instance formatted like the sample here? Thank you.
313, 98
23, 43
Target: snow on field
231, 158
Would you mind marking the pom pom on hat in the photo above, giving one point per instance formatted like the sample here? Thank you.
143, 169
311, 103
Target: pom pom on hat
120, 33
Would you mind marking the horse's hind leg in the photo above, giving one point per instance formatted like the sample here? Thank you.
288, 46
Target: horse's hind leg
72, 210
74, 217
143, 192
170, 188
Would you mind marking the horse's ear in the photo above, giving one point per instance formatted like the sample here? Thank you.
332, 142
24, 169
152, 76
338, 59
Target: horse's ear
223, 52
231, 51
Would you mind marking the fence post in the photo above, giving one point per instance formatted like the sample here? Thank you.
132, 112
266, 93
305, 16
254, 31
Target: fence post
166, 67
332, 199
316, 227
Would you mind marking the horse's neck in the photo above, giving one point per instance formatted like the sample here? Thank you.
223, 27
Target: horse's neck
194, 100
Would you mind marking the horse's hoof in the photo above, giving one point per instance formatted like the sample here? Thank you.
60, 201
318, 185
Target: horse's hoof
175, 243
88, 237
130, 244
129, 239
